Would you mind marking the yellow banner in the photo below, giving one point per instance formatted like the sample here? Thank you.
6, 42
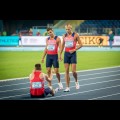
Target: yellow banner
93, 40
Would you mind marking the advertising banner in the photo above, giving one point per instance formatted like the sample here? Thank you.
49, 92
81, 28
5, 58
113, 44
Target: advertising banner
9, 40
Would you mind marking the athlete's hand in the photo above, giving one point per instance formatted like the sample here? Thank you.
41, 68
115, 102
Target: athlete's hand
72, 51
42, 61
60, 58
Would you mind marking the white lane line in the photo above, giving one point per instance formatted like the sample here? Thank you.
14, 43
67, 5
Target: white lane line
104, 96
81, 92
70, 87
63, 73
14, 90
64, 78
81, 80
15, 96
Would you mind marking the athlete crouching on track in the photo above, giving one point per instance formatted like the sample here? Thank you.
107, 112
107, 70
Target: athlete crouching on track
37, 79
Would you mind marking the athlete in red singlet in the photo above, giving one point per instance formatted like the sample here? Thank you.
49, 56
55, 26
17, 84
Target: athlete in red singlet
70, 39
37, 79
53, 43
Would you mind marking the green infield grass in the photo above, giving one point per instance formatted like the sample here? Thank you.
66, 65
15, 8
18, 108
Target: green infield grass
21, 63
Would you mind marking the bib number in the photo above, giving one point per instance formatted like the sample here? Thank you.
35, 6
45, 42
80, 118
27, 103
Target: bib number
36, 85
68, 44
51, 47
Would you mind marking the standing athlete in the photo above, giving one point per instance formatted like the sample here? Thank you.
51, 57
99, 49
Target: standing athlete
70, 39
53, 43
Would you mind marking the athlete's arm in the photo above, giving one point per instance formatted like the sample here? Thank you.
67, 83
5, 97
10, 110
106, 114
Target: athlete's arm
45, 76
45, 52
31, 76
62, 45
59, 43
79, 43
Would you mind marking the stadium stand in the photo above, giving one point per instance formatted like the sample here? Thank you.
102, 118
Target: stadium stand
62, 23
88, 25
12, 25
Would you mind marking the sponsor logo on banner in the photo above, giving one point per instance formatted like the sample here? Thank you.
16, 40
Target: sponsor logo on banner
86, 40
116, 41
33, 40
93, 40
9, 40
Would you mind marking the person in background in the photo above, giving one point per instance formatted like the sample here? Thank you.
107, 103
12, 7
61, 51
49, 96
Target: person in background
111, 38
4, 33
45, 33
100, 44
30, 32
14, 33
20, 38
38, 33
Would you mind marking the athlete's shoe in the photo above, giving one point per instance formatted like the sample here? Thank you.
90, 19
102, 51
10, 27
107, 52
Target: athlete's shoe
52, 90
67, 89
56, 90
60, 85
77, 85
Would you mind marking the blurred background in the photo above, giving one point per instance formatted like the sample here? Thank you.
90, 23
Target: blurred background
21, 53
83, 27
90, 31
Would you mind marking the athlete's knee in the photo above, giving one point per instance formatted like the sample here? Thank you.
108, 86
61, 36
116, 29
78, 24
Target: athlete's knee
48, 71
57, 73
67, 70
74, 73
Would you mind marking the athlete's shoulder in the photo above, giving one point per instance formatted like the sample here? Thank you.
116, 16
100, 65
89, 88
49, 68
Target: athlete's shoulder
31, 76
47, 38
58, 38
77, 34
64, 35
42, 75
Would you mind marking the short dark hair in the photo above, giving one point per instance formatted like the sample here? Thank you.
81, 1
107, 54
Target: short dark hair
49, 29
38, 66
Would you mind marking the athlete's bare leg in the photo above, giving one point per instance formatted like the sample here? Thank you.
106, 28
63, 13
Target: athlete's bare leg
67, 77
73, 66
75, 75
57, 74
49, 73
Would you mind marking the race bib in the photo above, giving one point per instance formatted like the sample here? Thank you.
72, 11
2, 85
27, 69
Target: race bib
51, 47
68, 44
36, 85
